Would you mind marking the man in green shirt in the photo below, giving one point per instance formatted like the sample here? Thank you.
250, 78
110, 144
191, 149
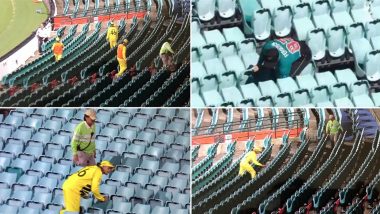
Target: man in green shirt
332, 129
281, 58
166, 54
83, 141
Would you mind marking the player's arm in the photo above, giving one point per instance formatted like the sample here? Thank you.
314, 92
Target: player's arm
52, 47
95, 185
253, 159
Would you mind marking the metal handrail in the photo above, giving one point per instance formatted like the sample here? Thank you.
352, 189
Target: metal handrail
251, 127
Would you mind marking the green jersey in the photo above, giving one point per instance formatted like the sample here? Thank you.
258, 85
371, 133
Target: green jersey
289, 51
333, 127
84, 136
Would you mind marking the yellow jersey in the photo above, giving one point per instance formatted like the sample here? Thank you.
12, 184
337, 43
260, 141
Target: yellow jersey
251, 157
84, 181
112, 33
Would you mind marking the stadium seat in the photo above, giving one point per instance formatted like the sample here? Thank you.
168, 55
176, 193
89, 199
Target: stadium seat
372, 65
226, 9
340, 13
321, 15
214, 37
316, 41
261, 23
336, 41
359, 11
362, 101
271, 5
212, 98
302, 21
282, 19
206, 10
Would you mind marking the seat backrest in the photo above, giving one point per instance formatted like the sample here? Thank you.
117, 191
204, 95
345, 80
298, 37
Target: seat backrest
214, 37
261, 21
195, 27
247, 46
357, 4
340, 6
316, 40
355, 31
248, 6
375, 3
336, 38
373, 29
282, 18
306, 81
226, 5
290, 2
301, 11
372, 63
141, 208
205, 6
269, 88
227, 49
321, 7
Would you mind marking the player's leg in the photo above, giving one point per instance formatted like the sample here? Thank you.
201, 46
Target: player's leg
251, 171
71, 201
91, 160
123, 67
241, 170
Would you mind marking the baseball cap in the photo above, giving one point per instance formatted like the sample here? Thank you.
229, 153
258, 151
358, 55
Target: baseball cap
91, 113
106, 163
257, 149
270, 58
57, 39
125, 41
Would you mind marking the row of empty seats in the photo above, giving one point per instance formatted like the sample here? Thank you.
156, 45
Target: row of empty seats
152, 160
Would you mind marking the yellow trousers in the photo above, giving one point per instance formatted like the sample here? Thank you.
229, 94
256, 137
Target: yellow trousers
71, 201
58, 57
123, 66
244, 167
113, 44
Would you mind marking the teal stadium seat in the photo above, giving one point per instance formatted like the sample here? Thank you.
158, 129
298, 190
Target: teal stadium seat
261, 23
282, 19
226, 8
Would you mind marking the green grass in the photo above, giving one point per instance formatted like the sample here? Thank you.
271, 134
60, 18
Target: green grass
18, 19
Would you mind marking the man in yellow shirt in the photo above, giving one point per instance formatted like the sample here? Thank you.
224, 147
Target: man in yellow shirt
245, 163
58, 49
122, 57
82, 182
166, 54
112, 35
332, 129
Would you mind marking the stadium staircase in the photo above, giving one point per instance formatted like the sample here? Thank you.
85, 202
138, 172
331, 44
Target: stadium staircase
150, 148
343, 36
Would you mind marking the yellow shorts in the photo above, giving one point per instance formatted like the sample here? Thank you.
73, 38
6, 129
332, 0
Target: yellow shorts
71, 201
58, 57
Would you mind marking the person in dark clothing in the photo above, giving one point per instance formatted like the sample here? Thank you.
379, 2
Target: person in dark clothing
280, 58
